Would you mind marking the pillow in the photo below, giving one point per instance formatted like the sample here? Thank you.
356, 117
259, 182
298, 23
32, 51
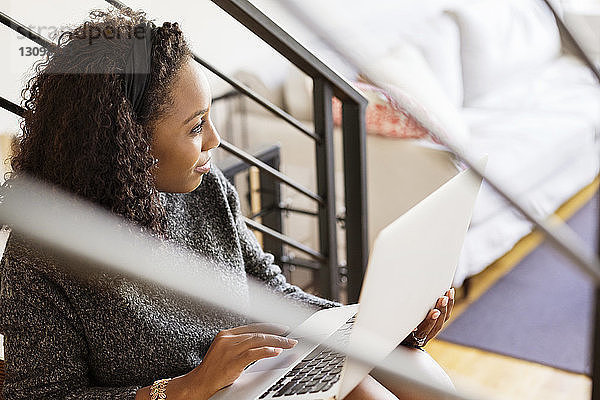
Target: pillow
502, 37
405, 73
385, 116
437, 38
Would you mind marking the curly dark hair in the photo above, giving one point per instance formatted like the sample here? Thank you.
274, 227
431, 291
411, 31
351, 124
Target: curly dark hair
79, 130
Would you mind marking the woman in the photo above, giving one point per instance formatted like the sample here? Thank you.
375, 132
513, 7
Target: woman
120, 115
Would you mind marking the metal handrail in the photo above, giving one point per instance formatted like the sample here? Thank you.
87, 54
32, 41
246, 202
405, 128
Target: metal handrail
327, 84
12, 107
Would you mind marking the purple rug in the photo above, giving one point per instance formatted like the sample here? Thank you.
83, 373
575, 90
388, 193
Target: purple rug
541, 311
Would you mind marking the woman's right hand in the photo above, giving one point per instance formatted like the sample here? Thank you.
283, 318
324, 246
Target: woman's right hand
231, 351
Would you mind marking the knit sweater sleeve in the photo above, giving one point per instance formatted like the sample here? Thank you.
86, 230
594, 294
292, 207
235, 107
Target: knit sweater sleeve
260, 264
45, 349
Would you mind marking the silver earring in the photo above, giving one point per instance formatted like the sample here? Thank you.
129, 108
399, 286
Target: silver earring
155, 161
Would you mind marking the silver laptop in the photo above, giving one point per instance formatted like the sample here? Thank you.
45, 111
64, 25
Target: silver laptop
412, 264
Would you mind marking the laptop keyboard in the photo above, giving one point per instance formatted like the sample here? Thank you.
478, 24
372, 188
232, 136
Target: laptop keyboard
318, 371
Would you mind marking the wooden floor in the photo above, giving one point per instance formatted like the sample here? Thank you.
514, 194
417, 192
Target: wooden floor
478, 371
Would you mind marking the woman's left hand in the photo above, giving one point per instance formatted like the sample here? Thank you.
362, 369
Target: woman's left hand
433, 323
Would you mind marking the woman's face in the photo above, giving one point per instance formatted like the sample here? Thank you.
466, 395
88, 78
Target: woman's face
183, 138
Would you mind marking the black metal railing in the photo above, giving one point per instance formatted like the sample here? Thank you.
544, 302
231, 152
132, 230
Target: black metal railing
326, 85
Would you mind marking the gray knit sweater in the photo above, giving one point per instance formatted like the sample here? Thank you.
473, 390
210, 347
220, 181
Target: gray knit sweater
106, 336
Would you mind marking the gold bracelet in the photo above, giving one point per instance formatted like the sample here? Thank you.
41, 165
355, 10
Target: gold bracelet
158, 388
